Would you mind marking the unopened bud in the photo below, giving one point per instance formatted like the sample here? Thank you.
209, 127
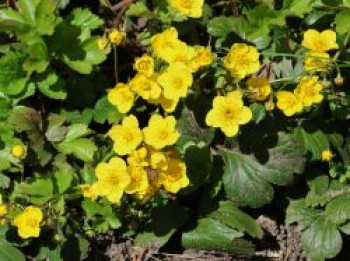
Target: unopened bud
339, 81
270, 106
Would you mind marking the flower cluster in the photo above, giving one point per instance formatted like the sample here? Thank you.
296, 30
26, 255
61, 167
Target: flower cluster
148, 166
307, 93
167, 86
318, 43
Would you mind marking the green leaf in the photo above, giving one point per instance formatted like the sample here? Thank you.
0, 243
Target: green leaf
86, 20
229, 214
13, 78
104, 111
345, 228
55, 131
137, 9
38, 56
211, 234
297, 7
318, 185
342, 22
162, 224
26, 119
81, 148
258, 111
338, 210
314, 141
11, 20
9, 253
82, 52
4, 180
247, 177
243, 180
191, 133
37, 192
45, 20
75, 131
93, 209
51, 85
49, 253
63, 179
28, 8
5, 107
199, 164
297, 211
222, 27
322, 240
285, 159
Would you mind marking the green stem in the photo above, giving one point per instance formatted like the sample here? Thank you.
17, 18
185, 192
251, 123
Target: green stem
115, 64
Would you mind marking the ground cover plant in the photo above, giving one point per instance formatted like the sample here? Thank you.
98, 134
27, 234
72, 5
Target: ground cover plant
174, 124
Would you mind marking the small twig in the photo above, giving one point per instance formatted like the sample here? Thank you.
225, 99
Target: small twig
115, 64
121, 4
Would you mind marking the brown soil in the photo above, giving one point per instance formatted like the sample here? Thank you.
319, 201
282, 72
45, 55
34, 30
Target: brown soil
280, 243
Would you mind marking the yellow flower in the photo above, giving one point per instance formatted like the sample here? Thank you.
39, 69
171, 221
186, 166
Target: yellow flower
138, 182
112, 178
89, 191
327, 155
102, 43
203, 57
3, 209
316, 61
28, 222
158, 160
122, 97
127, 136
174, 178
320, 41
308, 91
169, 48
288, 103
138, 158
116, 36
18, 151
146, 87
190, 8
145, 65
242, 60
149, 192
175, 81
259, 88
161, 131
168, 105
228, 113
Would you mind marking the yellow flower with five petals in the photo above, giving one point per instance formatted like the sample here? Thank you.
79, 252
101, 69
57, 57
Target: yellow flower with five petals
259, 88
288, 103
320, 41
242, 60
175, 81
122, 97
28, 222
190, 8
126, 136
309, 90
161, 132
112, 179
228, 113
